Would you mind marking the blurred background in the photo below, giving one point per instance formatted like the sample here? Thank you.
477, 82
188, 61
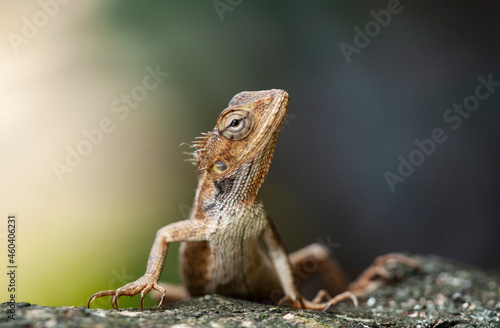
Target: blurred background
98, 97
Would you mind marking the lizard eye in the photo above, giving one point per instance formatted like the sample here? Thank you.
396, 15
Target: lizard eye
235, 125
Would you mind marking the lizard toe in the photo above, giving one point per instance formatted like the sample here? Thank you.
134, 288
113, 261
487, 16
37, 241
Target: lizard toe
142, 285
98, 295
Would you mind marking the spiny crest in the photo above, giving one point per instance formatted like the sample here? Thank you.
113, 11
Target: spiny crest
199, 145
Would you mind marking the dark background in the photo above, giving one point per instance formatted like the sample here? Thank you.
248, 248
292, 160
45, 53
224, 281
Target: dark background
351, 120
347, 124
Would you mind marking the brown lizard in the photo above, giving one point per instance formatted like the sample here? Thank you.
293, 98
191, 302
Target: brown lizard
221, 250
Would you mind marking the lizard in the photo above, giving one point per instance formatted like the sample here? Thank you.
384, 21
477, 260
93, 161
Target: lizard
222, 240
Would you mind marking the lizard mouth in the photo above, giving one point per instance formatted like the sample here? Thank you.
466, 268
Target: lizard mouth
273, 118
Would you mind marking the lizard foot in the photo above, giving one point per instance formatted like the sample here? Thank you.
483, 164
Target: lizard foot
142, 285
323, 301
372, 276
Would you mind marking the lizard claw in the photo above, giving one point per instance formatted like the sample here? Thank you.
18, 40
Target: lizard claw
114, 302
293, 302
143, 285
316, 303
99, 294
323, 301
378, 272
162, 299
283, 300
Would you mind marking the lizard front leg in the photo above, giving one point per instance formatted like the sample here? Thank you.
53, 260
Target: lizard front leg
182, 231
283, 268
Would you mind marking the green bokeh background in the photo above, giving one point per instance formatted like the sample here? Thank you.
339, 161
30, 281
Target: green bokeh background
347, 124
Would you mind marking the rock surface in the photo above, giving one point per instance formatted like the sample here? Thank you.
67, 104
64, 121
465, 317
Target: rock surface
445, 294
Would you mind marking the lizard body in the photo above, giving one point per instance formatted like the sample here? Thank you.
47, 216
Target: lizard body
221, 250
233, 261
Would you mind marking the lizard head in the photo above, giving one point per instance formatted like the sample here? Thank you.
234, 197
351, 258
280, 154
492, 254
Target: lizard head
239, 150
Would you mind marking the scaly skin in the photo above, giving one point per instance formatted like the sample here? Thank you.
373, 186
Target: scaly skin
221, 252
